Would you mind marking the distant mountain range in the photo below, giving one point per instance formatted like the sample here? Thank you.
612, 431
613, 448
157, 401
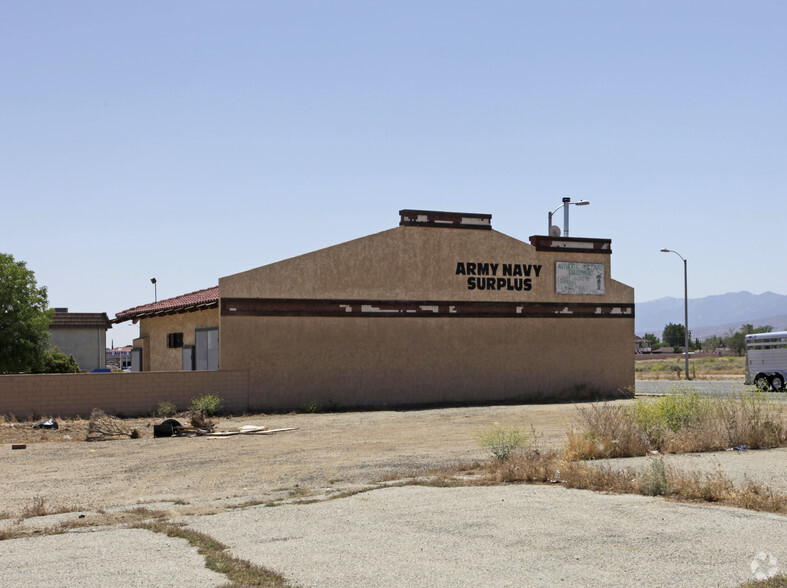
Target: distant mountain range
713, 315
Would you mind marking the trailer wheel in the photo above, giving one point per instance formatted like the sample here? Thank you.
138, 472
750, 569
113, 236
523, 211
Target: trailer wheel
761, 381
777, 383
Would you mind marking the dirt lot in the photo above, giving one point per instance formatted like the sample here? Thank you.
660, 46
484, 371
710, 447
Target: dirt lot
327, 451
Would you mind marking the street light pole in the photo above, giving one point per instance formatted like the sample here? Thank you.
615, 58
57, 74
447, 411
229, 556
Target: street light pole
685, 307
564, 206
155, 289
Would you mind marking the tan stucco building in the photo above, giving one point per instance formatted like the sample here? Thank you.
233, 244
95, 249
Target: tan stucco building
441, 309
176, 334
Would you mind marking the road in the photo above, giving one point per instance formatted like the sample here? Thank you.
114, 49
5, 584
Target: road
705, 387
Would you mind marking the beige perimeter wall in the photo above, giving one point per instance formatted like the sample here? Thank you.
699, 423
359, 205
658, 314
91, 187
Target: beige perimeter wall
127, 394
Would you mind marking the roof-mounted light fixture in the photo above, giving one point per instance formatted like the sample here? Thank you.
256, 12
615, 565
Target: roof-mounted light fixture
554, 231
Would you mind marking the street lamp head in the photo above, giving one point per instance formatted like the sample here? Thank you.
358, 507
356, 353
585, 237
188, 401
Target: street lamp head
152, 280
665, 250
565, 206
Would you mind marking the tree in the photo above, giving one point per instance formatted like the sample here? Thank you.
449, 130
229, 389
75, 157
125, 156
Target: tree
713, 342
654, 341
24, 318
674, 335
737, 341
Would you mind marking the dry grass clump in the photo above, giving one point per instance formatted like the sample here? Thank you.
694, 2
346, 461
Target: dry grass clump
39, 508
102, 427
554, 467
678, 423
752, 419
36, 509
656, 479
240, 572
778, 581
606, 431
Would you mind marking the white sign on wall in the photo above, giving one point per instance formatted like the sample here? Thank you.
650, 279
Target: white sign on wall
579, 278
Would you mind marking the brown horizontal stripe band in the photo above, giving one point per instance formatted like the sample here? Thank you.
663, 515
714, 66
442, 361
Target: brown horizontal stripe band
408, 308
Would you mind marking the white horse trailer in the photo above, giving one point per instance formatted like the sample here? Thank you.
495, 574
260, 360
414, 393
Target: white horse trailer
766, 360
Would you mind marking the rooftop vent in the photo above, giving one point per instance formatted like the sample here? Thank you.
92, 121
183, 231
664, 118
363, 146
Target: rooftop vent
445, 220
61, 309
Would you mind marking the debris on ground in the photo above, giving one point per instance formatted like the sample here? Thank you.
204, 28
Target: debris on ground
201, 421
251, 430
103, 427
46, 424
202, 426
167, 428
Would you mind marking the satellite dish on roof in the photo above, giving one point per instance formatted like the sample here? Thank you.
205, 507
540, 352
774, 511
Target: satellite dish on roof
554, 231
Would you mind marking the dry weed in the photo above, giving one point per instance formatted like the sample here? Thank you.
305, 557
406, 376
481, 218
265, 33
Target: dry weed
656, 479
199, 420
606, 431
217, 558
103, 426
36, 509
39, 508
678, 423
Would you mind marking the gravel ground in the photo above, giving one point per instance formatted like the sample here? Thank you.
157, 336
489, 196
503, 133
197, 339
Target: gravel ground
503, 536
326, 451
516, 535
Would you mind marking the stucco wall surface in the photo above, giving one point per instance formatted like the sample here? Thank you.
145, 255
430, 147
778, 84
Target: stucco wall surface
386, 362
157, 356
88, 346
294, 361
414, 263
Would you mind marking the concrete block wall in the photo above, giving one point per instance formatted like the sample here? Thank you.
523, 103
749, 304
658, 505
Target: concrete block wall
126, 394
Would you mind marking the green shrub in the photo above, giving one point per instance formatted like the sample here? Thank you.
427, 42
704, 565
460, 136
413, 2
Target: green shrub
668, 413
166, 409
654, 481
312, 407
650, 365
503, 441
678, 423
55, 362
210, 404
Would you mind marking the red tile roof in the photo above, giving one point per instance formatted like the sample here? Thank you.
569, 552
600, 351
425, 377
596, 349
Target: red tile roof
80, 320
201, 299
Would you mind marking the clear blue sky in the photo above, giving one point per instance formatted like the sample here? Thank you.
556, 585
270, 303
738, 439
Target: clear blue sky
192, 140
